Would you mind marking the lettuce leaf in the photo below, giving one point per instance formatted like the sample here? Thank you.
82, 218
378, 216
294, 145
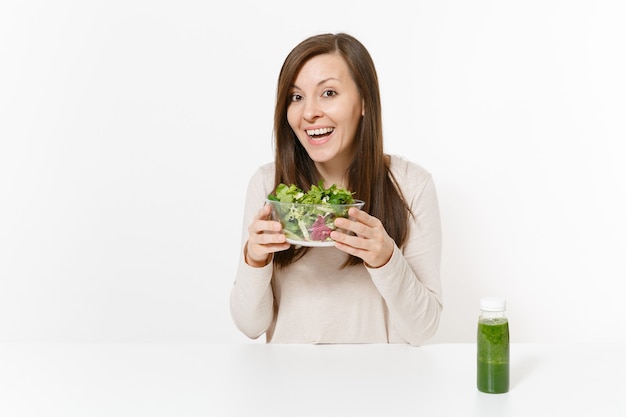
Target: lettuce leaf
317, 194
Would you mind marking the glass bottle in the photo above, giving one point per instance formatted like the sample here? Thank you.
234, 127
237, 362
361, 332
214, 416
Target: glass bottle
493, 346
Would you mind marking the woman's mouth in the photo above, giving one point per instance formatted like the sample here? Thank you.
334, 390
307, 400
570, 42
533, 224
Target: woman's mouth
318, 134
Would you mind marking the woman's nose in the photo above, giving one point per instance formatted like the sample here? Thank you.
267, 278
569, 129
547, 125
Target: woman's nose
312, 110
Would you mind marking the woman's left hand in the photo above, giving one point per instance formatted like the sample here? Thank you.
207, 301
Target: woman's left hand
370, 242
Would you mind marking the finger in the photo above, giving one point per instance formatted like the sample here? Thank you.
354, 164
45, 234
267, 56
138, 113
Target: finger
354, 226
352, 250
353, 241
363, 217
262, 226
264, 212
263, 244
259, 253
268, 238
374, 253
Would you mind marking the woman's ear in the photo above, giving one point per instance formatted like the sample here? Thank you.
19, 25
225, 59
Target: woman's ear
362, 107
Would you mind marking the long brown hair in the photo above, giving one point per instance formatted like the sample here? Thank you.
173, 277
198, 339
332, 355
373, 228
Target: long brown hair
369, 176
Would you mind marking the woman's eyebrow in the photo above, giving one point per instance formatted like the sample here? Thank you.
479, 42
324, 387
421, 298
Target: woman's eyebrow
294, 86
328, 79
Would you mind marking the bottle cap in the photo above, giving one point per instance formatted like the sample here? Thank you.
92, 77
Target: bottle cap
493, 304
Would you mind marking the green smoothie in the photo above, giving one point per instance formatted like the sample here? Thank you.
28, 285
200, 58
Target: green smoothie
493, 355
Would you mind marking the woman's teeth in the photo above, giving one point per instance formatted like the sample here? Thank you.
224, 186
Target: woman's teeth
319, 132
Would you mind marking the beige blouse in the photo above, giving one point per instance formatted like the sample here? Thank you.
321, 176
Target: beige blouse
315, 301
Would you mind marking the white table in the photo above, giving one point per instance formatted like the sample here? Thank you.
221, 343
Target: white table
178, 380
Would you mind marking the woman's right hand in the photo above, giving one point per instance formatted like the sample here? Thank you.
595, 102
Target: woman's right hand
264, 238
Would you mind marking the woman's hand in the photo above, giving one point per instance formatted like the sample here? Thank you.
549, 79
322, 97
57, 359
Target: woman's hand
371, 243
264, 238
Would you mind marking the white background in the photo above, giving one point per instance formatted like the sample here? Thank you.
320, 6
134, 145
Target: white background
129, 129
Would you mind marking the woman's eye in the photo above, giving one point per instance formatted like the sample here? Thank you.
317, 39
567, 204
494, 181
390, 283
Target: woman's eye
329, 93
295, 97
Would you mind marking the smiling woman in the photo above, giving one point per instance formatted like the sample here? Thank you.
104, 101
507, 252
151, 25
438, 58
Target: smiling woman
379, 281
324, 114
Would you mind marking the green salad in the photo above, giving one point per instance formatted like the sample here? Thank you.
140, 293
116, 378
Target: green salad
310, 216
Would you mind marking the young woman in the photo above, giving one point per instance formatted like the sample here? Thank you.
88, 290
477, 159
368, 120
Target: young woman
380, 284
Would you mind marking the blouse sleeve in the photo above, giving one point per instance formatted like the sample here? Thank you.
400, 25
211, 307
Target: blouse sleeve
410, 281
251, 298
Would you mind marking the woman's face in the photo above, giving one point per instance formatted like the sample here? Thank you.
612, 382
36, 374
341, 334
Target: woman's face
324, 111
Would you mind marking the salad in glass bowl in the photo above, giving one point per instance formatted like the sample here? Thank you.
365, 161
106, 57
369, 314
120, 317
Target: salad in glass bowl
309, 217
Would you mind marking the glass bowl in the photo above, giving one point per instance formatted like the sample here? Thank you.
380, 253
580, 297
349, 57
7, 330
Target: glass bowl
310, 224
